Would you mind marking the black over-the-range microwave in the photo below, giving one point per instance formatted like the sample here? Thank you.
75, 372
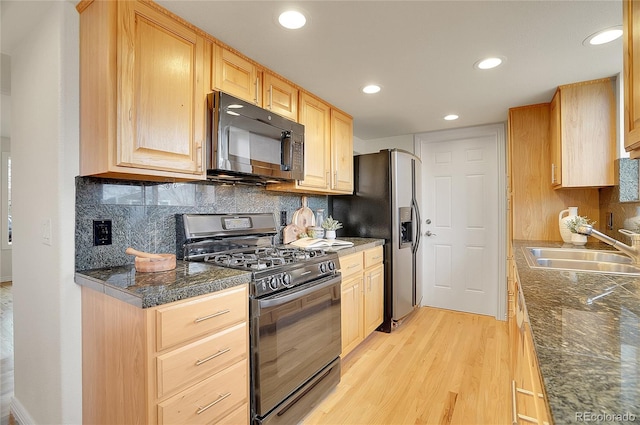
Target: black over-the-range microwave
250, 144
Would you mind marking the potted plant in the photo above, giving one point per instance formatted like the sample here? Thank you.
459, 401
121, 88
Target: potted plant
573, 223
330, 225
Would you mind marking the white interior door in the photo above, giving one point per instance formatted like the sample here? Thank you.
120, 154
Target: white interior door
462, 233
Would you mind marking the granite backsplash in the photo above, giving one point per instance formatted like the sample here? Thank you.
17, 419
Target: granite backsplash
143, 213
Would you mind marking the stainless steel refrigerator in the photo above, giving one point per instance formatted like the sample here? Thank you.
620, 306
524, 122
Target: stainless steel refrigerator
386, 205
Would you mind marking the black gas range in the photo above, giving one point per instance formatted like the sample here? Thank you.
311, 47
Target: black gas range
246, 242
294, 307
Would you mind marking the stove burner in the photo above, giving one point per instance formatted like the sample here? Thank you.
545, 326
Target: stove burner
263, 257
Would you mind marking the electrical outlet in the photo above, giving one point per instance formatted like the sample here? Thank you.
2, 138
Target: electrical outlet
283, 218
101, 232
610, 220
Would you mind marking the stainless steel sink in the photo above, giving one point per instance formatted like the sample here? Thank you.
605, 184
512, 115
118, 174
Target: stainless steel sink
583, 260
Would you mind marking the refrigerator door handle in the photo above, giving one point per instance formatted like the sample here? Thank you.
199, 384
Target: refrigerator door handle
418, 227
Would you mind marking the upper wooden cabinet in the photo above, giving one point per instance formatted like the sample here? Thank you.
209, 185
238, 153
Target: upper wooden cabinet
315, 115
328, 149
237, 76
142, 93
279, 96
341, 152
583, 135
631, 80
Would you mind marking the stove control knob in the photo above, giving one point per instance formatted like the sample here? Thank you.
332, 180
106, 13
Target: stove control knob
273, 283
286, 279
332, 265
323, 267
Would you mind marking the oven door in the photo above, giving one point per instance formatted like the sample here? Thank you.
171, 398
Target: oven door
295, 334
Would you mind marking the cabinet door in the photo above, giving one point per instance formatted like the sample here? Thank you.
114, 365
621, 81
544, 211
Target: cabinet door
341, 152
554, 139
315, 116
236, 76
587, 133
351, 310
631, 59
161, 91
280, 97
373, 299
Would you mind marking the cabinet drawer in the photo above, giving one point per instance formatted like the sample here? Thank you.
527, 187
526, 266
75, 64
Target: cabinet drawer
373, 256
187, 320
239, 416
208, 401
196, 361
351, 264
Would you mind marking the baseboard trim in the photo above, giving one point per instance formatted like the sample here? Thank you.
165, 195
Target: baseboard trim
20, 413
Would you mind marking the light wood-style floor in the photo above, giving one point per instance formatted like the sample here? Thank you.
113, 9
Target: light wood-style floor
6, 351
438, 367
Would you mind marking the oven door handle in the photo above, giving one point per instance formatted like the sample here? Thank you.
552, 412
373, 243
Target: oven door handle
290, 296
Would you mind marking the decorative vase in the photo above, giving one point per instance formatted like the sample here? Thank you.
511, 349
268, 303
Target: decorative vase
565, 233
329, 234
578, 239
633, 223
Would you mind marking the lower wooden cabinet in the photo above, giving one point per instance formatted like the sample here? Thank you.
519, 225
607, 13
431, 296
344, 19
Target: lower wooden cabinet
529, 405
362, 296
180, 363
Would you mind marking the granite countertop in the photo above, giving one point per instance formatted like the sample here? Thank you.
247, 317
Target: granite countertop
586, 333
359, 244
188, 279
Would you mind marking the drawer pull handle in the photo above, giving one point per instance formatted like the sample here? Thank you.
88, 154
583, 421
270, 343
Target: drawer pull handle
213, 403
213, 356
211, 316
377, 257
353, 266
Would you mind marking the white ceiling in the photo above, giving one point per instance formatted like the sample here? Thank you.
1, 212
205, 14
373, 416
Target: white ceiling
421, 52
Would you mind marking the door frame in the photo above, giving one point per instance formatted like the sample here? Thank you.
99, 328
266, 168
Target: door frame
498, 131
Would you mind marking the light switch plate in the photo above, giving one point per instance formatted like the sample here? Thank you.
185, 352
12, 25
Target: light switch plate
45, 231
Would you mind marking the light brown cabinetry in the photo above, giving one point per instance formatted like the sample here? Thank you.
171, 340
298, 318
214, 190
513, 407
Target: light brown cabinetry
279, 96
315, 115
181, 363
529, 405
142, 92
236, 75
534, 204
341, 152
362, 303
583, 134
631, 81
328, 149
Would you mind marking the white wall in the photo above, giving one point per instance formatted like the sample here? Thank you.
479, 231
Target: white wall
5, 248
404, 142
44, 136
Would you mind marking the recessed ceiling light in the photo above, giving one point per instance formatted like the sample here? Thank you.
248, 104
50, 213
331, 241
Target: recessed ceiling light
602, 37
371, 89
488, 63
451, 117
292, 19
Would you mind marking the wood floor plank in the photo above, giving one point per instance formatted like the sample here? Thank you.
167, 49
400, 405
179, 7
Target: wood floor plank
438, 367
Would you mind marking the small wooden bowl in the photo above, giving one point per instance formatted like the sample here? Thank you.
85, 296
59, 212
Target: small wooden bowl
147, 265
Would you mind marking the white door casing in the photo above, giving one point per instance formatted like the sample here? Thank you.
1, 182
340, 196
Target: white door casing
463, 187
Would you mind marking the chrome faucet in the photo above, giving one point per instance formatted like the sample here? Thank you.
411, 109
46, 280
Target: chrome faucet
632, 251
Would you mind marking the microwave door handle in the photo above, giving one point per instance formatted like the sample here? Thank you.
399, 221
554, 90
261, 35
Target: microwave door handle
286, 151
